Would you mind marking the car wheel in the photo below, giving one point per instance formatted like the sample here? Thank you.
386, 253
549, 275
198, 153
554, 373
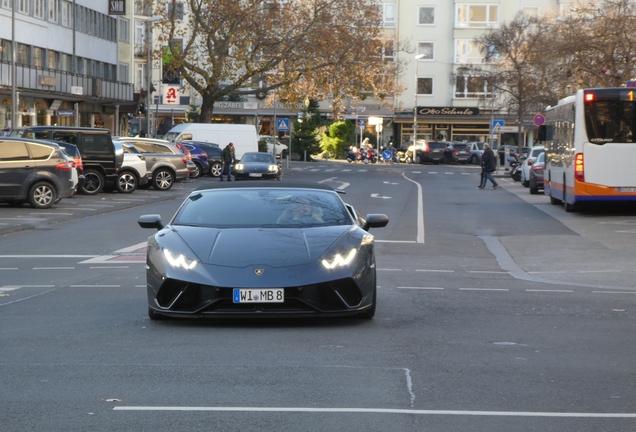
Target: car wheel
216, 169
418, 159
534, 189
93, 182
369, 313
473, 160
162, 179
155, 316
197, 171
42, 195
126, 182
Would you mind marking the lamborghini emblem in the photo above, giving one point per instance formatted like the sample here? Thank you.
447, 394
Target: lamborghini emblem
258, 272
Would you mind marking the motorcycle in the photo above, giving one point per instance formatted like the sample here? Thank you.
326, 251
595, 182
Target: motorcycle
515, 170
353, 155
372, 156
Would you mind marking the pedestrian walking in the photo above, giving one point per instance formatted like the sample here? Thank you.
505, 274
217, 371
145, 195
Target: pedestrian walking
489, 165
227, 159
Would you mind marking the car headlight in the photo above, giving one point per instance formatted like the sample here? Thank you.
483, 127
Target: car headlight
339, 260
180, 260
239, 167
273, 168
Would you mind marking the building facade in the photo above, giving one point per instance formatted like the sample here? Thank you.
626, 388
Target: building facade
66, 62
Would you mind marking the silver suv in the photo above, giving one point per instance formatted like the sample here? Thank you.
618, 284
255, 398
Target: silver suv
165, 163
476, 149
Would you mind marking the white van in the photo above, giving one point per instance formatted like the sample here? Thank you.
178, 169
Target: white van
243, 136
272, 142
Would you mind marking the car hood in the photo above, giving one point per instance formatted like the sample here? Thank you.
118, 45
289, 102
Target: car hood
274, 247
256, 165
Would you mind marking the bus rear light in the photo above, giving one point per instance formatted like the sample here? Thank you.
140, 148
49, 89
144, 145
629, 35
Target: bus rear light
579, 170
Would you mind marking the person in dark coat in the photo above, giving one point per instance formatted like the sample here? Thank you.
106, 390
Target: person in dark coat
227, 159
489, 165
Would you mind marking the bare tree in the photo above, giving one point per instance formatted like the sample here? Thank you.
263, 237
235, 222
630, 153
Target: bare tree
300, 48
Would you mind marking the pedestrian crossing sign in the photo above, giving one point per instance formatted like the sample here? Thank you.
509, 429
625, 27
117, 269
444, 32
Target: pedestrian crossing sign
282, 125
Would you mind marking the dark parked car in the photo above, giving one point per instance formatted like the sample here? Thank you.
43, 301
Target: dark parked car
100, 157
536, 174
36, 171
429, 151
213, 151
165, 163
198, 156
72, 151
257, 165
457, 153
262, 249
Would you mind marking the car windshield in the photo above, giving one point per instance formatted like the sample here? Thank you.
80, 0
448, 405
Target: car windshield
260, 207
171, 136
262, 158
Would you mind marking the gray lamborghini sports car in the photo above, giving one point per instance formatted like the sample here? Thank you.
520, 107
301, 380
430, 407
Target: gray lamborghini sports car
267, 249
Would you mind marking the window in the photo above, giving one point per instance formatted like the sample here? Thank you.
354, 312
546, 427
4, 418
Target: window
140, 32
175, 10
387, 11
123, 72
67, 13
426, 15
40, 152
38, 57
140, 76
424, 86
467, 51
23, 6
96, 143
124, 29
53, 10
427, 49
5, 50
473, 87
24, 54
13, 151
66, 62
530, 11
480, 16
388, 51
38, 9
51, 60
7, 3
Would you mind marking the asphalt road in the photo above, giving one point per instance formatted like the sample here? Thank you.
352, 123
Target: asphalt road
496, 312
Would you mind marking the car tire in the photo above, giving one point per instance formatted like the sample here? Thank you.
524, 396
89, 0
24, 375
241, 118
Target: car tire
93, 182
198, 172
369, 313
154, 316
42, 195
534, 189
418, 159
163, 179
126, 182
216, 169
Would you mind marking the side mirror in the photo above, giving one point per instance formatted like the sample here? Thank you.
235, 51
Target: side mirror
150, 221
376, 220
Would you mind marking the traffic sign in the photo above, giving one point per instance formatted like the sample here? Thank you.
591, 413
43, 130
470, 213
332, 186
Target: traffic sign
361, 122
539, 120
387, 155
497, 124
282, 125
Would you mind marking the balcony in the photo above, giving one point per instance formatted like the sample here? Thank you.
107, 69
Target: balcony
141, 50
59, 82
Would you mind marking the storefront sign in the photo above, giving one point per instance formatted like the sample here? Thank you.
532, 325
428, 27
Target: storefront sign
116, 7
65, 113
47, 80
447, 111
77, 90
171, 95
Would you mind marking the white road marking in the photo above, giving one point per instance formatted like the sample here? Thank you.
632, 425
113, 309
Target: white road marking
375, 195
416, 172
421, 288
132, 248
95, 286
109, 267
449, 173
485, 271
420, 211
65, 214
26, 298
546, 290
432, 172
379, 411
467, 173
436, 271
614, 292
48, 256
394, 241
9, 268
53, 268
484, 289
389, 269
599, 271
546, 272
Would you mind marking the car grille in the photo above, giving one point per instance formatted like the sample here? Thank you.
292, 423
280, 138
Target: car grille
340, 295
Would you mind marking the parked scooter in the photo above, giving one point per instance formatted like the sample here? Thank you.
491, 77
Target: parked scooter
515, 170
353, 155
372, 155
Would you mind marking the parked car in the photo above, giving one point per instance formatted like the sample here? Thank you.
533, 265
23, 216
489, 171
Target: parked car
197, 155
273, 142
527, 162
100, 158
475, 150
429, 151
257, 165
165, 163
536, 174
132, 173
78, 171
265, 249
456, 152
213, 152
36, 171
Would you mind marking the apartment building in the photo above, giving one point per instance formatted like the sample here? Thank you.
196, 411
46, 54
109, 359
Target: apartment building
67, 56
442, 99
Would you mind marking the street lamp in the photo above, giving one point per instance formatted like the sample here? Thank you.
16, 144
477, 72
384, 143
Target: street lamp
417, 57
149, 22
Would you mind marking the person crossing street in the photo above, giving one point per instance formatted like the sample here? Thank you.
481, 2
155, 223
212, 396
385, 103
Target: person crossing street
489, 165
227, 159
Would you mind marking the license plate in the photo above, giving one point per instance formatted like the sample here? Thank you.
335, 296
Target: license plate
256, 295
631, 189
256, 175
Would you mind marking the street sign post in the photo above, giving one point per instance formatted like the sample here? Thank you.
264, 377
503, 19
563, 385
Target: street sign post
539, 120
496, 125
282, 125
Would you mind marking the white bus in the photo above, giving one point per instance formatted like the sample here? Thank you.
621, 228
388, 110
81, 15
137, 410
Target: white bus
590, 142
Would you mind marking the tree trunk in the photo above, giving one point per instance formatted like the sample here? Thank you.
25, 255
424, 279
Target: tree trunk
207, 108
